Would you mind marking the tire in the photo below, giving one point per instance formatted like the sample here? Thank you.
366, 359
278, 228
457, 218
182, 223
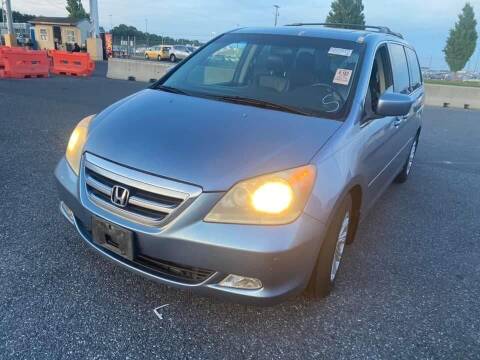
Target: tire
173, 58
403, 175
159, 57
146, 57
324, 275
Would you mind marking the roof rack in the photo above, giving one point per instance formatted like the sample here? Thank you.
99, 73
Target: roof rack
381, 29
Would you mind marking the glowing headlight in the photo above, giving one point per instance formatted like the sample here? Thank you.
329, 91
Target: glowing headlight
277, 198
273, 197
76, 143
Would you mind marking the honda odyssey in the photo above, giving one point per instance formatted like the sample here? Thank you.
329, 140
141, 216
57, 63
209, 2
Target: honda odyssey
246, 169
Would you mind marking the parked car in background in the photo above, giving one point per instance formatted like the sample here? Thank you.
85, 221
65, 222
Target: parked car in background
246, 170
158, 52
179, 52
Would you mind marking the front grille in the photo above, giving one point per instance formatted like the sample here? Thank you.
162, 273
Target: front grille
174, 271
147, 203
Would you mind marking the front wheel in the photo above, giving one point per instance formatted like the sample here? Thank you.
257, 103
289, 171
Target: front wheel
331, 252
173, 58
403, 176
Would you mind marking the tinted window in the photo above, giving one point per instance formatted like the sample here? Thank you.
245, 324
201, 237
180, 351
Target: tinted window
311, 75
401, 79
415, 74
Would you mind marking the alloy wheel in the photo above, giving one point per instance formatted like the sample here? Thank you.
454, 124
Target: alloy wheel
411, 157
339, 247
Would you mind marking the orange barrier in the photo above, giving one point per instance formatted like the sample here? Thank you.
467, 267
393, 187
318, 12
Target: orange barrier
16, 62
73, 64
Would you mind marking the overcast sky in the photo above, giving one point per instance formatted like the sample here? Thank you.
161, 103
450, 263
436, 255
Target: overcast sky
425, 23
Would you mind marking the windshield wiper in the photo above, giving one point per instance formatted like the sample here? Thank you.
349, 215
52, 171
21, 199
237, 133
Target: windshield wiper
171, 89
263, 104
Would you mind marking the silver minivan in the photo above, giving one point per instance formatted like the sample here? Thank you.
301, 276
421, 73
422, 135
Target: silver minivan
246, 170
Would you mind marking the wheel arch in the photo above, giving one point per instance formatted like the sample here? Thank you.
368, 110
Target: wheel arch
355, 190
356, 194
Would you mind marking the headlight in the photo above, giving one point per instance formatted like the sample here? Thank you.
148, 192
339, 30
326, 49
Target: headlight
76, 143
277, 198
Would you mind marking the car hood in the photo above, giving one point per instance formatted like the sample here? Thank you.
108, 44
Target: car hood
205, 142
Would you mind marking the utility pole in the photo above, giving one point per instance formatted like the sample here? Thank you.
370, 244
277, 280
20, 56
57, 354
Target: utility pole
94, 18
276, 13
10, 39
94, 43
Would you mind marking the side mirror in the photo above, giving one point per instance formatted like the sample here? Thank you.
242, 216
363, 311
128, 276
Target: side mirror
394, 104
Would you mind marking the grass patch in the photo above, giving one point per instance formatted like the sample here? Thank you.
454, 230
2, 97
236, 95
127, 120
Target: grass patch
454, 83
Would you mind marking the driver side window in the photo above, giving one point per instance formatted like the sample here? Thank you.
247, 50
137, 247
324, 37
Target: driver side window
381, 80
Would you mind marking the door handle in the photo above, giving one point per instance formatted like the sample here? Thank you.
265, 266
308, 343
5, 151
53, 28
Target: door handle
399, 119
417, 108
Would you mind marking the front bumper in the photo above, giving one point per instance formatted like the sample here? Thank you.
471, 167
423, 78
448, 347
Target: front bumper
282, 257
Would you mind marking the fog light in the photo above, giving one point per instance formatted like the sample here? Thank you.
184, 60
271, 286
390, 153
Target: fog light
241, 282
67, 212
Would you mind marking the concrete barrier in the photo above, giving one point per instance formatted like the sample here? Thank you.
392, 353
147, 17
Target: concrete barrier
139, 70
455, 96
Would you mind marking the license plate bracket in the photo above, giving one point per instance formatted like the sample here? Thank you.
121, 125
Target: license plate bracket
113, 237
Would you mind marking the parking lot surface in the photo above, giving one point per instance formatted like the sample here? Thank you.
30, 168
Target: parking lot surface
409, 287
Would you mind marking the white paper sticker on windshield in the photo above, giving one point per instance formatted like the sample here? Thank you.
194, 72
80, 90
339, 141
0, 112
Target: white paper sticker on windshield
342, 76
340, 51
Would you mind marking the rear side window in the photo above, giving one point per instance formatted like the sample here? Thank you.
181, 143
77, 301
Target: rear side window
415, 74
401, 78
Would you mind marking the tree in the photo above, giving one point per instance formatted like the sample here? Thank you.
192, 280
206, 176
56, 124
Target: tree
462, 40
75, 9
346, 12
125, 31
18, 16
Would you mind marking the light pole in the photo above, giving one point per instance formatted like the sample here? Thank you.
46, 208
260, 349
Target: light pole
10, 39
276, 13
477, 62
146, 30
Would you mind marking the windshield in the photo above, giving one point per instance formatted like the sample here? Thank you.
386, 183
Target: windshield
312, 75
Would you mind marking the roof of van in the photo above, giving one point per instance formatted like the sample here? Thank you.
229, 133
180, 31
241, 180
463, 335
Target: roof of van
321, 32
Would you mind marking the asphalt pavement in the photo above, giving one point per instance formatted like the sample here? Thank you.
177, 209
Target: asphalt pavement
409, 287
